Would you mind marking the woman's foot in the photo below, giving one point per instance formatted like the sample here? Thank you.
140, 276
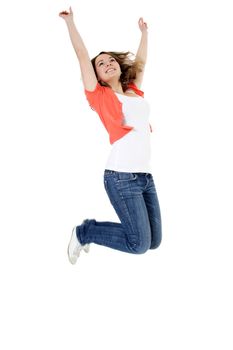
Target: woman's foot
75, 247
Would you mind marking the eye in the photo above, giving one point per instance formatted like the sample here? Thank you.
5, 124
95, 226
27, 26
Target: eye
100, 64
112, 59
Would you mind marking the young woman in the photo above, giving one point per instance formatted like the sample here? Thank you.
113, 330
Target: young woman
112, 83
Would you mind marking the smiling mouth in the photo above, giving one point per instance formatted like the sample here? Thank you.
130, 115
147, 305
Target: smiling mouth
110, 70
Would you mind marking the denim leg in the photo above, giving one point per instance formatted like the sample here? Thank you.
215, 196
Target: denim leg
133, 233
153, 209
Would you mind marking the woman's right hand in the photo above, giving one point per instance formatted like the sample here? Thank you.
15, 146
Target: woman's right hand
67, 16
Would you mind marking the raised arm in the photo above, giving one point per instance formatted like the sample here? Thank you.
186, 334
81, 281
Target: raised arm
87, 71
141, 54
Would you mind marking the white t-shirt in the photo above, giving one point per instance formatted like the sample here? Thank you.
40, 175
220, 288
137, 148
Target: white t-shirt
131, 153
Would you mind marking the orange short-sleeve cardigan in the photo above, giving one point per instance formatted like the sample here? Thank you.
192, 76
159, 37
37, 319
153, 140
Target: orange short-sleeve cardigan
106, 104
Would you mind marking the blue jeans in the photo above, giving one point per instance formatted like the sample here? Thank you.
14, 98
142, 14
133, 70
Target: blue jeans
134, 198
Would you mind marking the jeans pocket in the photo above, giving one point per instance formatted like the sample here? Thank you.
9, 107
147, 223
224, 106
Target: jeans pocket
122, 176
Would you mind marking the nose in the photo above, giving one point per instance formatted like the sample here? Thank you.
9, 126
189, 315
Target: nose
107, 65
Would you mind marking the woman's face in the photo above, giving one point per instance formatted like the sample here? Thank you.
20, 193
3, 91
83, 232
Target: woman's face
107, 68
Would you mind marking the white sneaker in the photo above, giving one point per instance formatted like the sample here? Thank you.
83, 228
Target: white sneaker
75, 247
86, 248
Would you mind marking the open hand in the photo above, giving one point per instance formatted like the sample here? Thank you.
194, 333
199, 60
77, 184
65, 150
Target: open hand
142, 25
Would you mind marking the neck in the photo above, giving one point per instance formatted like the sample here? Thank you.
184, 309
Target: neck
116, 86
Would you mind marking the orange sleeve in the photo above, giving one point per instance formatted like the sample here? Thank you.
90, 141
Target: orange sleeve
135, 89
93, 97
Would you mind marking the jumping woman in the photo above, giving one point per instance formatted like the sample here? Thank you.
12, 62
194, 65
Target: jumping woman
112, 82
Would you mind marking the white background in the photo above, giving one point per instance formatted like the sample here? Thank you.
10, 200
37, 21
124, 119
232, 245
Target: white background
53, 151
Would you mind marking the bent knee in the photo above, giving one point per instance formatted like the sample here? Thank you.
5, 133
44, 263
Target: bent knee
139, 247
156, 244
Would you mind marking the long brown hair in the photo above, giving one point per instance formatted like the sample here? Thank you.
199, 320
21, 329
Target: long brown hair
128, 64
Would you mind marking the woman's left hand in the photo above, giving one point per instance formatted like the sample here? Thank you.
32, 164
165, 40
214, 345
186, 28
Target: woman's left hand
142, 25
